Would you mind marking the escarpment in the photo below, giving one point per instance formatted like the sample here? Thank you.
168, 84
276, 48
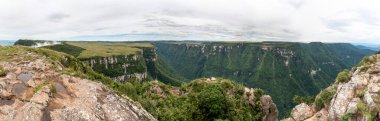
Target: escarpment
37, 85
122, 61
355, 96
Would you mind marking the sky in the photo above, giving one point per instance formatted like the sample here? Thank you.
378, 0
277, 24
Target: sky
355, 21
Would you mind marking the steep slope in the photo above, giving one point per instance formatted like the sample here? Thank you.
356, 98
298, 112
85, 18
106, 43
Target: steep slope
40, 84
298, 68
354, 96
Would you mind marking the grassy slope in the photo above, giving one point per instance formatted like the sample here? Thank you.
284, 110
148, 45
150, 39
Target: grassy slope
250, 65
106, 49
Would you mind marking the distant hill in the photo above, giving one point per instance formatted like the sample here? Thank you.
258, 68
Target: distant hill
374, 48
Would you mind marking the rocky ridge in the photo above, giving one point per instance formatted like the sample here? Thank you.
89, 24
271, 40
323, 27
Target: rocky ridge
36, 88
356, 98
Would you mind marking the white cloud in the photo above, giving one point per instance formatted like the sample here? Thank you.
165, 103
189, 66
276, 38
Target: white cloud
251, 20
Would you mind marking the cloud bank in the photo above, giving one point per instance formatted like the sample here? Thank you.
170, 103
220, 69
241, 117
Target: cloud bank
222, 20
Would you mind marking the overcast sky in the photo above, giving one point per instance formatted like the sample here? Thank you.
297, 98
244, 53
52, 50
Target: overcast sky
232, 20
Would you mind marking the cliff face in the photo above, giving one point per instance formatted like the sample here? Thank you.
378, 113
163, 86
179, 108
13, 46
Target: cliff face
299, 68
120, 68
355, 96
141, 65
37, 87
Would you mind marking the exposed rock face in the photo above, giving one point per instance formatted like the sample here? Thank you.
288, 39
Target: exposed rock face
357, 99
36, 90
268, 108
124, 67
302, 112
120, 68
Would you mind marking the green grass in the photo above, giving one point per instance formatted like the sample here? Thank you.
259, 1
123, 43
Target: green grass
40, 86
66, 48
106, 49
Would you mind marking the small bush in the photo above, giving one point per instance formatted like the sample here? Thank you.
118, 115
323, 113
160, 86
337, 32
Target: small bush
343, 76
360, 94
346, 117
2, 72
324, 97
308, 99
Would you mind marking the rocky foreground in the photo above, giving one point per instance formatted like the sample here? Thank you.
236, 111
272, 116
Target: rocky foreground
356, 98
32, 88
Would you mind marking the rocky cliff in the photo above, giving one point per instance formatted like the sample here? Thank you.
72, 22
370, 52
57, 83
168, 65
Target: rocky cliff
36, 84
355, 96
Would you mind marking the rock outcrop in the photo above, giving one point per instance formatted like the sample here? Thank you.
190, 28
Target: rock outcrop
356, 99
35, 88
268, 108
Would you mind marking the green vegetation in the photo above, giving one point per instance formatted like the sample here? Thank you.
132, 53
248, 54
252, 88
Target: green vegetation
66, 48
308, 99
106, 49
366, 63
40, 86
201, 100
299, 68
360, 94
363, 109
346, 117
343, 76
2, 72
53, 89
324, 97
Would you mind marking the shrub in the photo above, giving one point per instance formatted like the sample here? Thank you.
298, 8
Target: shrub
212, 102
346, 117
360, 94
324, 97
53, 89
297, 99
308, 99
343, 76
2, 72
